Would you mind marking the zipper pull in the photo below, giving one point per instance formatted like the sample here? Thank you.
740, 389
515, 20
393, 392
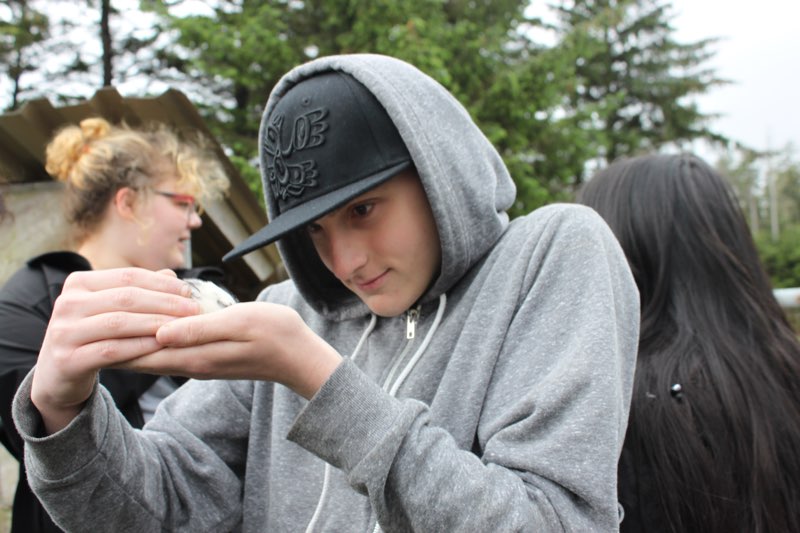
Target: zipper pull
411, 323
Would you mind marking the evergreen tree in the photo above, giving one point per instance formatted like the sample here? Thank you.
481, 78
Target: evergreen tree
22, 29
635, 81
64, 50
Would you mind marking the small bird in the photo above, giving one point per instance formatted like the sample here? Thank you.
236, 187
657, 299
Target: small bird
211, 296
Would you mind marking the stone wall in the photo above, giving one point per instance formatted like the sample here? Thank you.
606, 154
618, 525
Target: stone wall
35, 224
8, 484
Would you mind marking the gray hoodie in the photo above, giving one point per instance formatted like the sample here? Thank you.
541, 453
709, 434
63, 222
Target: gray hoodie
505, 412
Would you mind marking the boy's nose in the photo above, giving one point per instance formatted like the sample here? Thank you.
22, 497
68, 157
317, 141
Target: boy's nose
346, 257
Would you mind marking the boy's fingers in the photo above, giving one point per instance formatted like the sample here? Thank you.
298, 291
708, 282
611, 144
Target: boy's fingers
114, 325
194, 330
109, 353
219, 360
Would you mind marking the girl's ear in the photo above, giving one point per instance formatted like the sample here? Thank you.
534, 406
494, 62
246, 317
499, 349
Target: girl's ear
125, 203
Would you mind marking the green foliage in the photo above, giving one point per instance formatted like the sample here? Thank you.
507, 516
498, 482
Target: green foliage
768, 188
249, 172
787, 181
781, 258
25, 28
741, 170
237, 55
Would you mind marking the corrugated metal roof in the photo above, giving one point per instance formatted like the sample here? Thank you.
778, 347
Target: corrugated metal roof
24, 134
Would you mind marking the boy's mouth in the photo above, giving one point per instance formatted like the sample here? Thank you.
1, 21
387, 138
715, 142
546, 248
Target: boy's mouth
373, 283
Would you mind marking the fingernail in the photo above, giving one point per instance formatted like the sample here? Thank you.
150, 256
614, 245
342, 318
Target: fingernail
186, 290
163, 330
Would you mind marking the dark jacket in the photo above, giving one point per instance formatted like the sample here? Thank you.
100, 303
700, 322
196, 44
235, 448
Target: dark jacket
26, 302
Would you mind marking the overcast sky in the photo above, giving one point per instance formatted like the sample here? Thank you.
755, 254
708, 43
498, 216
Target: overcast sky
760, 54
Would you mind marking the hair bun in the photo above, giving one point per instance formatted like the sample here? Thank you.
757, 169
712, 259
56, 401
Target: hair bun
94, 128
70, 145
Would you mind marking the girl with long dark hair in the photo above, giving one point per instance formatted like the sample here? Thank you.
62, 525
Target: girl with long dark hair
714, 429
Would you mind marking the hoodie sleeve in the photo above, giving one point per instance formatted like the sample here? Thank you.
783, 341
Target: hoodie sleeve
124, 479
553, 416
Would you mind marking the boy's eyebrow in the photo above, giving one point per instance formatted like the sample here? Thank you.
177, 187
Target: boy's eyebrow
355, 201
363, 197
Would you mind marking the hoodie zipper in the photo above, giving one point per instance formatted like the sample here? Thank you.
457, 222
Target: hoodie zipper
411, 322
412, 317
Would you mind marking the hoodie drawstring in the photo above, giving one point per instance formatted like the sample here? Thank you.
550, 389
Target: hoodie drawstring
372, 321
326, 477
391, 390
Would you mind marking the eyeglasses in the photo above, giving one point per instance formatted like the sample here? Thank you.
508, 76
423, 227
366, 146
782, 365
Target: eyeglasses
187, 201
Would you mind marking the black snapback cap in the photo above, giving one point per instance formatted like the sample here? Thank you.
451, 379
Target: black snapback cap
325, 142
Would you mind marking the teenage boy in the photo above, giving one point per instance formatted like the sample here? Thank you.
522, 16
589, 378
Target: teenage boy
430, 366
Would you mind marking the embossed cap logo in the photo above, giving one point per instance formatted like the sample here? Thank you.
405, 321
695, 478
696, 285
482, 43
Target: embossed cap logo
307, 131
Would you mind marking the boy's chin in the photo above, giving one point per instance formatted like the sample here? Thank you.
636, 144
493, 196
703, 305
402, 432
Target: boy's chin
387, 307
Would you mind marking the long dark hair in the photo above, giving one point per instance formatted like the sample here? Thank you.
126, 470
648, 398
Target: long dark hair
715, 413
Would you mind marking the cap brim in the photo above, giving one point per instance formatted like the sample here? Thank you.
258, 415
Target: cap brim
311, 210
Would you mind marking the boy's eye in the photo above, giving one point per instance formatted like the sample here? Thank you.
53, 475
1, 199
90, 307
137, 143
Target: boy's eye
361, 210
313, 228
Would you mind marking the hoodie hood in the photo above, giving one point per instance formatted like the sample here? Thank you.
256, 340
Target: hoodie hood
465, 179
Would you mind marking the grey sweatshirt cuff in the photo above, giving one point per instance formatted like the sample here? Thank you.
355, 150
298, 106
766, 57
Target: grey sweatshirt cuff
58, 455
348, 417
